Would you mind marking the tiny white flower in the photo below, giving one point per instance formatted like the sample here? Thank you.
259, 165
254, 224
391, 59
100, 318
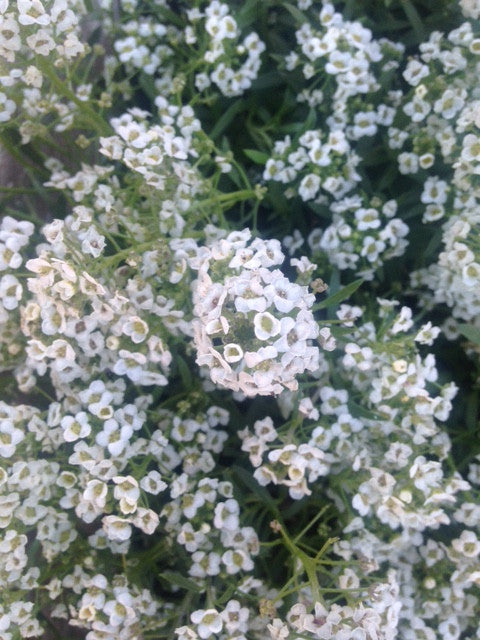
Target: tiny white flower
266, 325
232, 352
208, 622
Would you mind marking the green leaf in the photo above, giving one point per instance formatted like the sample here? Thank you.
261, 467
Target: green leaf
434, 243
260, 492
296, 14
339, 296
227, 118
248, 14
180, 581
259, 157
227, 594
311, 119
184, 371
146, 83
470, 332
267, 80
414, 18
358, 411
388, 178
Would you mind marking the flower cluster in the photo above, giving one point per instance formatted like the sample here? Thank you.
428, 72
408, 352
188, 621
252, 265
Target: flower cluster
455, 279
375, 616
321, 164
253, 326
14, 239
108, 607
156, 152
362, 235
435, 135
348, 53
291, 465
315, 162
33, 35
228, 61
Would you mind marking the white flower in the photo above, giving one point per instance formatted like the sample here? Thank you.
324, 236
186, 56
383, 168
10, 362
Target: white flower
427, 334
32, 12
114, 437
403, 321
367, 219
120, 610
226, 515
372, 248
284, 295
75, 427
131, 364
278, 630
237, 560
10, 292
434, 191
136, 329
208, 622
309, 186
10, 436
471, 274
153, 483
146, 520
93, 243
116, 528
96, 493
266, 326
471, 148
7, 108
232, 352
364, 124
415, 72
467, 544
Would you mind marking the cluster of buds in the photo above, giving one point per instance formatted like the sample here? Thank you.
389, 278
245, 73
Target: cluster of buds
253, 327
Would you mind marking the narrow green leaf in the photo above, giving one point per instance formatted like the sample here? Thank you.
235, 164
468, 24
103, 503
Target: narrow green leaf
295, 13
227, 118
179, 581
227, 594
184, 371
311, 119
259, 157
146, 83
341, 295
267, 81
358, 411
470, 332
387, 178
249, 13
414, 19
434, 243
260, 492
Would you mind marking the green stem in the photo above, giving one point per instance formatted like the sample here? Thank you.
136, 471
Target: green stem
93, 118
236, 196
241, 171
327, 544
311, 523
308, 564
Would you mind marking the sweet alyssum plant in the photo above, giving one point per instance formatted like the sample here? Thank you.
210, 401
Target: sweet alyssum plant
237, 244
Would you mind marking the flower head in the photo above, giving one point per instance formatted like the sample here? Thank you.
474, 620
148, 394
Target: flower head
253, 326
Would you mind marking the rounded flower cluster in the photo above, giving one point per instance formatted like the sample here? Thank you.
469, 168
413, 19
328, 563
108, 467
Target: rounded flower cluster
252, 326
